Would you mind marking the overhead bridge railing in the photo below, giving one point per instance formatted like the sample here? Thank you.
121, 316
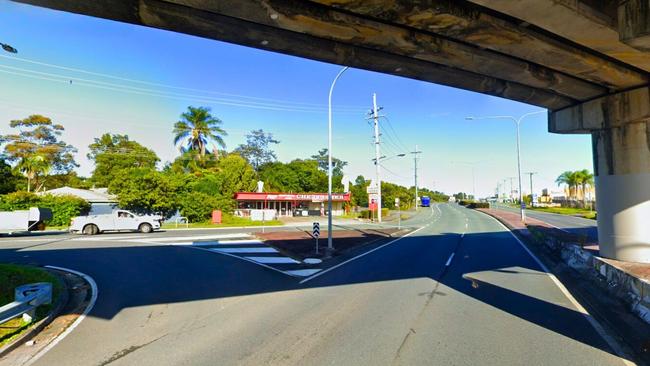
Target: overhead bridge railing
27, 299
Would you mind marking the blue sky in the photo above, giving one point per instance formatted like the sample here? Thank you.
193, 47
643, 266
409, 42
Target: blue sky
120, 78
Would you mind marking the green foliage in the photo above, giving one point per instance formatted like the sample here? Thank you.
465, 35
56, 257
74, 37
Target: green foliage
145, 190
478, 205
198, 206
36, 148
196, 128
301, 176
323, 162
9, 181
70, 179
64, 208
257, 150
112, 153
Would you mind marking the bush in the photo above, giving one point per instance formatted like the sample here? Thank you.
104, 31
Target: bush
198, 206
367, 214
478, 205
64, 208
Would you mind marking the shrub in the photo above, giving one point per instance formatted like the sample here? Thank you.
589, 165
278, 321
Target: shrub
198, 206
64, 208
478, 205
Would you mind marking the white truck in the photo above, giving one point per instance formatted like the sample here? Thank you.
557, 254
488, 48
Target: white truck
24, 220
119, 220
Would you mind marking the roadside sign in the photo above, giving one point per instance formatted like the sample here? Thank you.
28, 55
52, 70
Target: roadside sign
523, 205
396, 202
316, 230
372, 190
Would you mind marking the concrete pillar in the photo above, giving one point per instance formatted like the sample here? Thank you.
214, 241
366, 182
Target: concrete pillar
622, 169
620, 128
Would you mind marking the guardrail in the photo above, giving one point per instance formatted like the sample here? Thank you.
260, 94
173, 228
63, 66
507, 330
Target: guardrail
27, 299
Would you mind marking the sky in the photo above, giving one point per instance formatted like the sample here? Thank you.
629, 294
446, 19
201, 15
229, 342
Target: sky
96, 76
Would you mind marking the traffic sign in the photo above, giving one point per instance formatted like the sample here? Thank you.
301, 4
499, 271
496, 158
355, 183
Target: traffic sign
372, 189
396, 202
316, 230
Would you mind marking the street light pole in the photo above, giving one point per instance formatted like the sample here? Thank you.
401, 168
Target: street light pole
517, 121
330, 247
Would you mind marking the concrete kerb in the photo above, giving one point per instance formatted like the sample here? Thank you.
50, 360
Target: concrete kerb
60, 303
633, 291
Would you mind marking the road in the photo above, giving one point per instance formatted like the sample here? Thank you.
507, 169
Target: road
461, 290
569, 223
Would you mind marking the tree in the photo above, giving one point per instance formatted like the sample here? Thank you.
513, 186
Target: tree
323, 163
196, 128
111, 153
9, 181
257, 149
36, 149
571, 180
586, 179
146, 190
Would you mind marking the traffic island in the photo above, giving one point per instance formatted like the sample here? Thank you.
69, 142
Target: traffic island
71, 296
301, 244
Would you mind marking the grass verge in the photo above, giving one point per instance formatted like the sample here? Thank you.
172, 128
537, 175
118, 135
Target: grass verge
227, 222
12, 276
567, 211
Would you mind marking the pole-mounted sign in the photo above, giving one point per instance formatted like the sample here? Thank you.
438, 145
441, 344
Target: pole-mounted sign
315, 232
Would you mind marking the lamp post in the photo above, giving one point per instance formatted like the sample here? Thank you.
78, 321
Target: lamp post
330, 247
517, 121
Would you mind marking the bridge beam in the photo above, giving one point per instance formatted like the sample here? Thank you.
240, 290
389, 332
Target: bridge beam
619, 125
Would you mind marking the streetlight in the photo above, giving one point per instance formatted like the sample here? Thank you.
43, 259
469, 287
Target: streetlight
384, 158
330, 247
8, 48
517, 121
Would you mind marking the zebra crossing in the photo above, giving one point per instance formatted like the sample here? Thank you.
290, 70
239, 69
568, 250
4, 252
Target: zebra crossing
251, 249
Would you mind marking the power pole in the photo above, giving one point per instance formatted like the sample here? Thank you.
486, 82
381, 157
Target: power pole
415, 161
375, 118
511, 189
531, 185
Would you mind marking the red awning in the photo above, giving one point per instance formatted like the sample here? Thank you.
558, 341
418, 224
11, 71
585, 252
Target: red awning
313, 197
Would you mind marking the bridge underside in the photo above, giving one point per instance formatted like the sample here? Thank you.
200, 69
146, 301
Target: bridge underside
587, 61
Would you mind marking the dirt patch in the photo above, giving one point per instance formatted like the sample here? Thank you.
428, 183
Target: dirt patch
301, 245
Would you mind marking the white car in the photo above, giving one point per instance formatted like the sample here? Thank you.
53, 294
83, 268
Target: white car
120, 220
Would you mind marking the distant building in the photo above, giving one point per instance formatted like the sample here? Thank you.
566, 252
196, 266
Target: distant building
291, 204
101, 202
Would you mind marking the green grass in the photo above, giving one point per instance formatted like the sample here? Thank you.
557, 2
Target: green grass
228, 221
12, 276
567, 211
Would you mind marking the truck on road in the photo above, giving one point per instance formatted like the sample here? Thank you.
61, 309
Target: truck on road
426, 201
24, 220
119, 220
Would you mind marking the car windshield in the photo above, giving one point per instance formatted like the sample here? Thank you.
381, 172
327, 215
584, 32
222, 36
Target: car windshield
285, 182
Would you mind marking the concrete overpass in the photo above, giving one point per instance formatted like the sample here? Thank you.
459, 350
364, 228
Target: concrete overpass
586, 61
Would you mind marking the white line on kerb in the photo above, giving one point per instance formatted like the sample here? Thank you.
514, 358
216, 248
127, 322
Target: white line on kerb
594, 323
89, 307
449, 260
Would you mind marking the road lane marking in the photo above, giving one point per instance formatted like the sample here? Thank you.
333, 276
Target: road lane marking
247, 250
303, 272
271, 260
362, 255
449, 260
89, 307
613, 344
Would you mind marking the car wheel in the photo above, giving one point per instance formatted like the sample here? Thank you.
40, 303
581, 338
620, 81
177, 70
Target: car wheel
145, 228
90, 229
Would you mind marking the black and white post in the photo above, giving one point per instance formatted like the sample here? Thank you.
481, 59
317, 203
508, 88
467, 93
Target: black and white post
315, 232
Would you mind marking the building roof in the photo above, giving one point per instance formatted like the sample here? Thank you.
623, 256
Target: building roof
314, 197
95, 195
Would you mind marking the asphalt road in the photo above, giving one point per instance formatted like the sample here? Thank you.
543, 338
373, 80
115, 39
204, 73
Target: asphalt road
461, 290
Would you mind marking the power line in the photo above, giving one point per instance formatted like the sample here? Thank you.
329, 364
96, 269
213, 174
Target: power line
341, 107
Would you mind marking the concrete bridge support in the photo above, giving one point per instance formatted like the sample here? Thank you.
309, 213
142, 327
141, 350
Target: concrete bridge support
620, 128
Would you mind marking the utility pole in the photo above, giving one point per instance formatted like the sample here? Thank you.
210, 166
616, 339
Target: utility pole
415, 161
375, 118
511, 188
530, 174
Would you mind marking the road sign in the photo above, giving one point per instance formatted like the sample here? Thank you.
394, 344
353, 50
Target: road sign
523, 205
316, 230
396, 202
372, 190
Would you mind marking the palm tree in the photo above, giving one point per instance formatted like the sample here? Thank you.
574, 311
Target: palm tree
586, 178
196, 128
570, 179
32, 167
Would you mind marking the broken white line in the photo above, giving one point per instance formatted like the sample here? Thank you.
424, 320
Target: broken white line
449, 260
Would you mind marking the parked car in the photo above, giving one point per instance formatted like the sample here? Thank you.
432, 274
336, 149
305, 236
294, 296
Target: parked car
120, 220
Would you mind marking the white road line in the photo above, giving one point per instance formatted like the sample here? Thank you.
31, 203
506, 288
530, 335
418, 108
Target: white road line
228, 242
594, 323
89, 307
239, 257
199, 237
361, 255
273, 260
303, 272
449, 260
246, 250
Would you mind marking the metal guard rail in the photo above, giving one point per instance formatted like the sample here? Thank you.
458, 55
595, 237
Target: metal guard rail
27, 299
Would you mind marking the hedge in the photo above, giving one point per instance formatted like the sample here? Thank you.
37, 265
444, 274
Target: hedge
478, 205
64, 208
367, 214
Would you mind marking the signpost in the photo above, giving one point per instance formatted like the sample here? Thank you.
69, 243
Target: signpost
399, 215
315, 232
